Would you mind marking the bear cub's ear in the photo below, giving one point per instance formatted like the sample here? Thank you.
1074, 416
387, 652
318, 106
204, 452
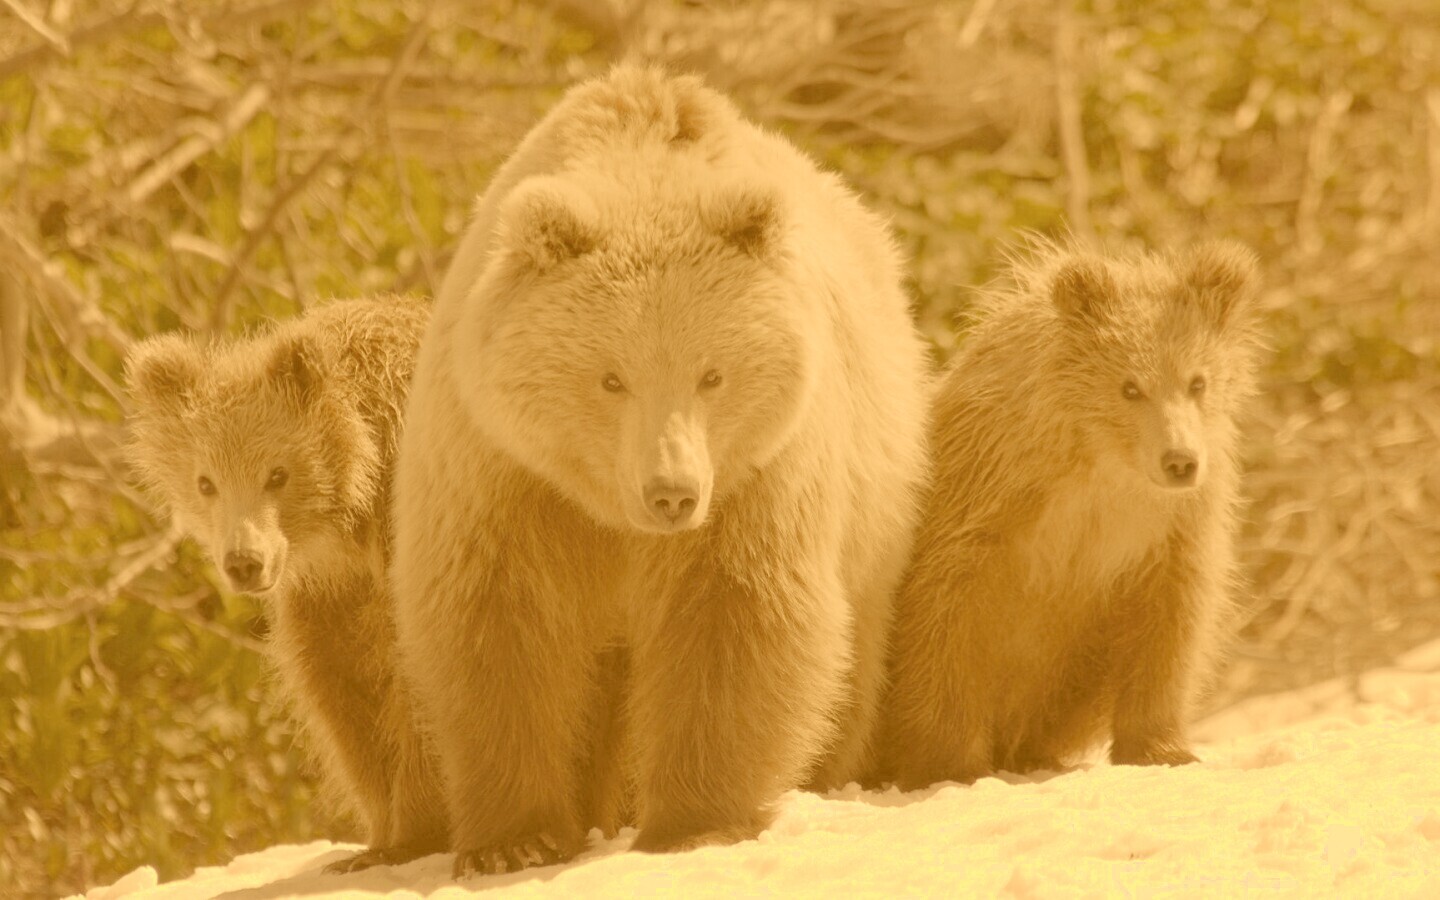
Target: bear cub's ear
1084, 289
546, 224
296, 367
747, 219
163, 371
1224, 278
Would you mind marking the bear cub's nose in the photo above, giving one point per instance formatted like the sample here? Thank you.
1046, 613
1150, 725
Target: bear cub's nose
1180, 467
244, 568
671, 504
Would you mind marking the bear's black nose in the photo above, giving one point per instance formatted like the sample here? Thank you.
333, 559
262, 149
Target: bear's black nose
244, 569
671, 504
1180, 467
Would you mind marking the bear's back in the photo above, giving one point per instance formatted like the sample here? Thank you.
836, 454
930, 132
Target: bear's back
372, 344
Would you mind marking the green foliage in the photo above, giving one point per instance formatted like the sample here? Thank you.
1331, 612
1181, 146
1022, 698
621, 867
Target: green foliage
139, 737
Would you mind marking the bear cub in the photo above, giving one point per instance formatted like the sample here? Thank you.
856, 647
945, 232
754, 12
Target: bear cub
276, 452
1074, 562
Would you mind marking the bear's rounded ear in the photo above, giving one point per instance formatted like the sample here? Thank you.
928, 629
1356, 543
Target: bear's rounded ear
1083, 288
1223, 277
162, 372
696, 114
545, 224
748, 220
295, 367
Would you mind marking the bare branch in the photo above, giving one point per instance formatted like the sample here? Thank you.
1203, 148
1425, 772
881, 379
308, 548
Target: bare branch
38, 25
1318, 165
423, 250
975, 22
48, 612
382, 94
212, 134
609, 21
1432, 199
28, 433
14, 328
110, 27
1070, 123
80, 316
183, 607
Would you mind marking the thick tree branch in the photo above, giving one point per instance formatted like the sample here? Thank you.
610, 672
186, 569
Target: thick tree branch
38, 25
1070, 122
46, 51
211, 133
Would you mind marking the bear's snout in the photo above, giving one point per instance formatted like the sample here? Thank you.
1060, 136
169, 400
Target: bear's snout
665, 463
244, 569
1181, 468
1173, 444
672, 503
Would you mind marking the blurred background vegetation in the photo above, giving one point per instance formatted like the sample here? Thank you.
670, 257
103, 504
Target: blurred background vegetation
211, 164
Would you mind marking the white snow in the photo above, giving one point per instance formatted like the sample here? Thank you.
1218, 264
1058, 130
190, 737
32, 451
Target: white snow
1330, 791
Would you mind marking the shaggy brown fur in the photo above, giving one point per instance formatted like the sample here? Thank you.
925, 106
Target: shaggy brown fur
1075, 556
671, 401
276, 453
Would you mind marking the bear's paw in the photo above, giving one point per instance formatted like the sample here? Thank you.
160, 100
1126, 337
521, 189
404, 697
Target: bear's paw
539, 849
1151, 754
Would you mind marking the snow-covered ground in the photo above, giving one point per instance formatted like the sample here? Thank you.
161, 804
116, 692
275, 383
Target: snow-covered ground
1330, 791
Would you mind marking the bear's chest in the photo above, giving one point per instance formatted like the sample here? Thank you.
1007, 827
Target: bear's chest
1091, 530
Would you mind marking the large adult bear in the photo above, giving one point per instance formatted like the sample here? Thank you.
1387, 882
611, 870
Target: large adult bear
671, 400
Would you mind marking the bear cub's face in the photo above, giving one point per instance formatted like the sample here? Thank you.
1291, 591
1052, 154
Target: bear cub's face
1164, 355
644, 356
229, 441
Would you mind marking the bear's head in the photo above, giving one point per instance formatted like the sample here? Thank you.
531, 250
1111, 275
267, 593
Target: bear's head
1161, 352
639, 344
253, 449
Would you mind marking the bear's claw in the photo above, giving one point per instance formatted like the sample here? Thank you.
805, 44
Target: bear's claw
1152, 756
535, 850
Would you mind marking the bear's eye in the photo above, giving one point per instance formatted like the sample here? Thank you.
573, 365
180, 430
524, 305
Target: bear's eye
1132, 391
206, 486
277, 479
711, 379
612, 383
1197, 385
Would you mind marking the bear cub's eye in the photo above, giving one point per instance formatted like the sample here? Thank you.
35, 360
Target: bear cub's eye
278, 477
1132, 391
612, 384
1197, 385
711, 379
206, 486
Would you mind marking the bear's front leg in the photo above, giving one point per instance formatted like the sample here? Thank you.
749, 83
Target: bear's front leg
738, 672
943, 698
1159, 632
417, 821
608, 798
321, 643
495, 642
